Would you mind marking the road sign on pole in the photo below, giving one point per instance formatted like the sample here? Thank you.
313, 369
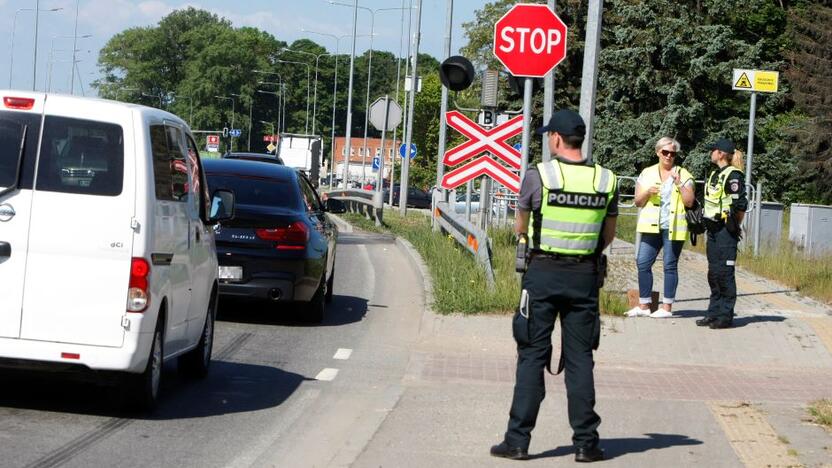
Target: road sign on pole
376, 163
413, 150
384, 106
760, 81
483, 140
213, 143
235, 132
530, 40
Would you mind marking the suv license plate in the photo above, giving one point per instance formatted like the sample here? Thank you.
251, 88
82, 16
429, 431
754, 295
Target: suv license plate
231, 272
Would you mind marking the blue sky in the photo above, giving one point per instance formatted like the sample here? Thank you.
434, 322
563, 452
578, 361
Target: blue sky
282, 18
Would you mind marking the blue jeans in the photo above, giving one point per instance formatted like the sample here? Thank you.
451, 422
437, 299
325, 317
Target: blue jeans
648, 250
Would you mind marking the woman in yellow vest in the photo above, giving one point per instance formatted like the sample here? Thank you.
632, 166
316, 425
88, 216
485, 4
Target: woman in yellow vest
663, 191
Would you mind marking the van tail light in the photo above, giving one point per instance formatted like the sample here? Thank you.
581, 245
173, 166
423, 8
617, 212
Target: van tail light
292, 237
19, 103
138, 294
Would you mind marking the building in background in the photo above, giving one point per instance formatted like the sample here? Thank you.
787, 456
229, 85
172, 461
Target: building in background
357, 155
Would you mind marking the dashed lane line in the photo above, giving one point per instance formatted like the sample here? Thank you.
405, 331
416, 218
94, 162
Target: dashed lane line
342, 354
327, 374
751, 436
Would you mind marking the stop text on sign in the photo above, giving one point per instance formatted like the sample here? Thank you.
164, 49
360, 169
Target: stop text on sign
537, 40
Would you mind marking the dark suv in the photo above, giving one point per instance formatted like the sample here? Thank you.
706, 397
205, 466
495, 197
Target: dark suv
280, 246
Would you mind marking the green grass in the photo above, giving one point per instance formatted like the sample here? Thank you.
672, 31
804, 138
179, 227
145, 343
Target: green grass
459, 282
821, 412
784, 263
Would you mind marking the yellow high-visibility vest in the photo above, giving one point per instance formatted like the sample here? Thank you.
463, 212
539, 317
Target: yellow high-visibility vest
717, 200
573, 208
648, 215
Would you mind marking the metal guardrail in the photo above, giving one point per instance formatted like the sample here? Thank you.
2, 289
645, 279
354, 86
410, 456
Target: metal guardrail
367, 202
472, 238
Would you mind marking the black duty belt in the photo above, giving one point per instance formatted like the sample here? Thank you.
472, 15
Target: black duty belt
562, 257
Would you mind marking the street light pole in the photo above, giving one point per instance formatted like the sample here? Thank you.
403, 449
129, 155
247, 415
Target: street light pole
349, 95
315, 87
233, 110
409, 137
74, 45
306, 127
14, 29
35, 54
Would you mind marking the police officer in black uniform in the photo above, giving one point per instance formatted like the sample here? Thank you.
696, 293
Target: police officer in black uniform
725, 205
573, 209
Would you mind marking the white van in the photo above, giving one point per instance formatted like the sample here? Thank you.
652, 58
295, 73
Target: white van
107, 257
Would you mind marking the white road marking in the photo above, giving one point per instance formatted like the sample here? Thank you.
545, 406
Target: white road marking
327, 374
342, 354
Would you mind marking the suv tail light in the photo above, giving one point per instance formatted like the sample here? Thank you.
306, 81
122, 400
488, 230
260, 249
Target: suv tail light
20, 103
292, 237
138, 294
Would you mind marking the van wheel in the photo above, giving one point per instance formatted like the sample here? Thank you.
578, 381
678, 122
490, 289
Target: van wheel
317, 306
195, 363
142, 390
330, 283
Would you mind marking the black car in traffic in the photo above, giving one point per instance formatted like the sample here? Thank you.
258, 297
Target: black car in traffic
416, 198
280, 245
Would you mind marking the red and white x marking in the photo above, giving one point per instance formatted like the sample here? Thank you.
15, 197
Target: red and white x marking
483, 140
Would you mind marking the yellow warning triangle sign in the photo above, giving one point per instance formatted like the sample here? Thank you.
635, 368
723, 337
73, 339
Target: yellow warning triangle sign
743, 82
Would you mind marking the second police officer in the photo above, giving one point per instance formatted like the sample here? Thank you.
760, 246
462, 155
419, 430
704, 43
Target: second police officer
725, 205
572, 207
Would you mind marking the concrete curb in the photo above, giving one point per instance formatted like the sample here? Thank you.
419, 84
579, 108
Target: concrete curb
427, 325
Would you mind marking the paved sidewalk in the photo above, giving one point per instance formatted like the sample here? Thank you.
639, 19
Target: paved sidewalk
670, 393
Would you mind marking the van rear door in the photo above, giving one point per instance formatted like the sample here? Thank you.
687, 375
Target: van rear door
20, 120
81, 239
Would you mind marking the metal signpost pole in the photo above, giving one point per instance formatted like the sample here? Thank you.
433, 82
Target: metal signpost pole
443, 125
750, 153
332, 183
548, 101
380, 179
589, 77
348, 136
527, 124
367, 100
413, 88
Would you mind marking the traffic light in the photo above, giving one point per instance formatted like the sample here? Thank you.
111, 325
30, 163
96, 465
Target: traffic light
457, 73
516, 84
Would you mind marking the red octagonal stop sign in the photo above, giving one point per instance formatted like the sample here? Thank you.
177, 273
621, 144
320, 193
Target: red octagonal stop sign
530, 40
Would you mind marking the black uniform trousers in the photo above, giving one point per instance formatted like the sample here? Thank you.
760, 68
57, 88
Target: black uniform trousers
569, 289
722, 257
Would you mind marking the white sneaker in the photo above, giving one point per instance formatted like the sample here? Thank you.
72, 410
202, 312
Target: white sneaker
661, 313
638, 312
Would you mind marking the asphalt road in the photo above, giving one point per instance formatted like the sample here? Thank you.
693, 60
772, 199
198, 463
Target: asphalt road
280, 392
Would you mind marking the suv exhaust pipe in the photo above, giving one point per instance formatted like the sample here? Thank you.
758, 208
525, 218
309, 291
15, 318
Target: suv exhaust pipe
275, 294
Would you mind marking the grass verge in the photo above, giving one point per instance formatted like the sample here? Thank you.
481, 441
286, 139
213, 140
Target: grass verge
459, 282
821, 412
783, 263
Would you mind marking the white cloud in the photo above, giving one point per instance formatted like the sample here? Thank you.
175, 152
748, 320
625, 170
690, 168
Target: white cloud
154, 9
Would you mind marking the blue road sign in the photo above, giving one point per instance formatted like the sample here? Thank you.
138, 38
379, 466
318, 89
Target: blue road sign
235, 132
376, 164
413, 150
518, 146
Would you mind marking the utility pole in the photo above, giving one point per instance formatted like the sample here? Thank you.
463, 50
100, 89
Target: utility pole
74, 48
409, 137
35, 54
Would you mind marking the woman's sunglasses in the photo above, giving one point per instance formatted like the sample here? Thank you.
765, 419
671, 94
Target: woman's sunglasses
668, 153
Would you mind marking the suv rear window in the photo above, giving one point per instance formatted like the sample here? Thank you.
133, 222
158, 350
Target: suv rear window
81, 156
11, 132
256, 190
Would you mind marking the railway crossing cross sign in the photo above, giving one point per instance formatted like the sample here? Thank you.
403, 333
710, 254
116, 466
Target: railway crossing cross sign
482, 140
